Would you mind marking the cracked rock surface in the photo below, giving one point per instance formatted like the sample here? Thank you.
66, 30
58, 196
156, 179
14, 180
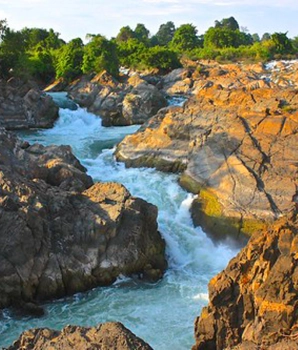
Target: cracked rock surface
105, 336
24, 106
60, 233
236, 147
253, 303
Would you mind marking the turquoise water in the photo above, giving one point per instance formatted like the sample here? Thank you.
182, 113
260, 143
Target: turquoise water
163, 313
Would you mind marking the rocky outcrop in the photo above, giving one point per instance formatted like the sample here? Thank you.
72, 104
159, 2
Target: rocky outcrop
253, 303
60, 234
24, 106
236, 149
189, 81
178, 82
127, 103
105, 336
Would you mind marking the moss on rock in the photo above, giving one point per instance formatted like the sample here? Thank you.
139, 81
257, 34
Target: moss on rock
208, 212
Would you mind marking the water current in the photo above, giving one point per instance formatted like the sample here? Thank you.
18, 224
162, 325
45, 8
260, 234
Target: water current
163, 313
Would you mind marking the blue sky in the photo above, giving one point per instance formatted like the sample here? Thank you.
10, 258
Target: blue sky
76, 18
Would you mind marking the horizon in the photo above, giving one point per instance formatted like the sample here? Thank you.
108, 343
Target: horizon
72, 19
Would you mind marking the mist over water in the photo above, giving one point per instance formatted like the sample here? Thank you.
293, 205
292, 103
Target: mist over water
162, 313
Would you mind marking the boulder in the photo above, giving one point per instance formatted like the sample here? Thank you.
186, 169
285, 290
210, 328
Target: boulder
60, 234
105, 336
24, 106
133, 102
253, 303
178, 82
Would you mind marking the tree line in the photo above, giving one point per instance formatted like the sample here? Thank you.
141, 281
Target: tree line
41, 54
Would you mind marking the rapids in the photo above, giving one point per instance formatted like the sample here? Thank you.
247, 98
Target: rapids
162, 314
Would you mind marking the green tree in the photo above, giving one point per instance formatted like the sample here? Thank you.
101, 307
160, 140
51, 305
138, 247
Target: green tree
282, 43
100, 54
295, 44
161, 58
40, 64
141, 33
266, 36
130, 52
12, 51
185, 38
3, 28
70, 60
227, 23
256, 38
220, 37
165, 33
125, 34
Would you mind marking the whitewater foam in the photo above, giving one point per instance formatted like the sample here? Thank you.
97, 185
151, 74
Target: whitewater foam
163, 313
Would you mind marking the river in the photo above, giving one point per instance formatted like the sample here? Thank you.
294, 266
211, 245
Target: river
163, 313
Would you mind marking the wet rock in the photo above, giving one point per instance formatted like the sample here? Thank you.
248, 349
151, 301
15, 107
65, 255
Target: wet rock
107, 336
132, 102
60, 233
24, 106
253, 302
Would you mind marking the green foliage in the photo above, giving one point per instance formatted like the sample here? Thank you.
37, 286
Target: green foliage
165, 34
256, 38
125, 34
40, 65
70, 60
100, 54
12, 49
295, 44
43, 55
130, 53
266, 36
185, 38
221, 37
282, 43
227, 23
141, 33
161, 58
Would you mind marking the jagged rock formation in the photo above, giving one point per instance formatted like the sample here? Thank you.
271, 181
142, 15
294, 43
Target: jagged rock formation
60, 234
235, 145
23, 106
132, 102
106, 336
253, 303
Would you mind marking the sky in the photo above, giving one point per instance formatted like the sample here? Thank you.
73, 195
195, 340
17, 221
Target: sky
76, 18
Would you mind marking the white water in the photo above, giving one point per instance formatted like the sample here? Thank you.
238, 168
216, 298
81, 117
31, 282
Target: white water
163, 313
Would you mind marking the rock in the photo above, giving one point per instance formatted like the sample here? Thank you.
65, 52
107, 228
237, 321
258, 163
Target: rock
24, 106
253, 302
56, 86
142, 102
60, 234
117, 103
178, 82
105, 336
236, 148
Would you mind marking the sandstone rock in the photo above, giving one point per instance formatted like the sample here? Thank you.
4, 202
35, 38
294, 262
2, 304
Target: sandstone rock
24, 106
117, 103
238, 150
59, 234
178, 81
57, 86
254, 302
106, 336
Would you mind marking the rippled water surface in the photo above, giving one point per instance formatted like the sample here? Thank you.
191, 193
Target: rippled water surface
163, 313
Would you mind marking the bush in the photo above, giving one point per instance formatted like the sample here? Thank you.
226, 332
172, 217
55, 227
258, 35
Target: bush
161, 58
